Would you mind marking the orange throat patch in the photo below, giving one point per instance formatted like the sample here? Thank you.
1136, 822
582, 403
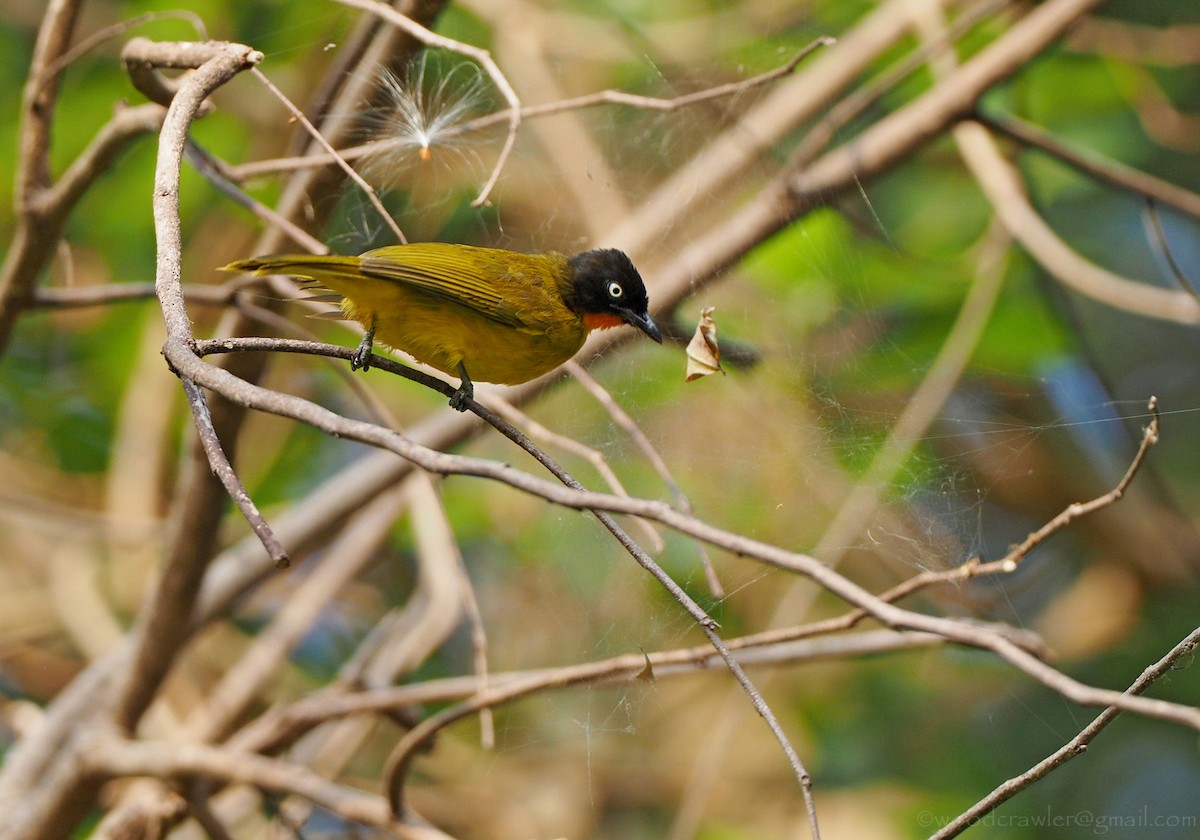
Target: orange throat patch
601, 320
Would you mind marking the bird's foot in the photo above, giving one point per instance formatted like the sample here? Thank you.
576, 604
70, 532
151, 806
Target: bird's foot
361, 360
465, 392
458, 401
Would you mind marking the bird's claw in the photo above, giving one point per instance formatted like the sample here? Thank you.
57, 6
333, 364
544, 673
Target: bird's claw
458, 400
361, 360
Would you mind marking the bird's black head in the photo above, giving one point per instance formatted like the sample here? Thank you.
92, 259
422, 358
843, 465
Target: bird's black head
608, 292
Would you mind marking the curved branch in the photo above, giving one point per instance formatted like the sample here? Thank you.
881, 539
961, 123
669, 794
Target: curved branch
110, 757
1003, 188
164, 624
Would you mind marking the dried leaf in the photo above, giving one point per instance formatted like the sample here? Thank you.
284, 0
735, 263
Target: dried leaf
703, 354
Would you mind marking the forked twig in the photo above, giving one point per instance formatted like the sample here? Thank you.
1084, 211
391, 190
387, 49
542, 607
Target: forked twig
1010, 561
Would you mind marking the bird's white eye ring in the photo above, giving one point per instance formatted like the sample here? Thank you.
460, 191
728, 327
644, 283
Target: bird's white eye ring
615, 290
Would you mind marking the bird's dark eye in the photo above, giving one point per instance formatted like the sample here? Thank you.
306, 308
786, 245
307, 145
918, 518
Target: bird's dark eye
615, 290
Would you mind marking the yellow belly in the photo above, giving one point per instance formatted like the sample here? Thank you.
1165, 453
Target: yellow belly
442, 334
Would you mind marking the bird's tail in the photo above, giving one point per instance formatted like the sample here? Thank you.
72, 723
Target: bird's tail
320, 269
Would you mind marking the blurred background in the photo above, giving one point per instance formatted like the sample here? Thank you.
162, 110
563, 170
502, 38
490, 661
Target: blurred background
830, 329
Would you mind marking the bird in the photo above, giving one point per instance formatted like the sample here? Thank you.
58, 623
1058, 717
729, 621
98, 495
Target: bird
481, 314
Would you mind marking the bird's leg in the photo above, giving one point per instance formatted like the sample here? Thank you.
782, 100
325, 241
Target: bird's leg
466, 391
362, 356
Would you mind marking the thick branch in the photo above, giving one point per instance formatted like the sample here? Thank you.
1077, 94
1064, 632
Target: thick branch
163, 627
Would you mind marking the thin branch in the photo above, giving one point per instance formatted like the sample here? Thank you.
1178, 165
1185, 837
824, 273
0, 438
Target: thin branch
1157, 237
1073, 512
278, 727
43, 211
621, 417
1096, 165
1003, 188
1072, 749
315, 133
107, 33
655, 103
39, 98
861, 98
213, 172
80, 297
1011, 561
228, 477
537, 431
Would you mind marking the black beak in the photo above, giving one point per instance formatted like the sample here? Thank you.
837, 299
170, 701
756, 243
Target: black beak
643, 322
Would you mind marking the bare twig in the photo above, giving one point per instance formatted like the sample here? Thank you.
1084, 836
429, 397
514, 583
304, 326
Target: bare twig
1002, 186
654, 103
78, 297
860, 99
107, 33
1157, 238
44, 207
1073, 512
621, 417
275, 729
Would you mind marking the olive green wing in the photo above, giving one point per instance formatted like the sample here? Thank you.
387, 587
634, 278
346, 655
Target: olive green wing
501, 285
